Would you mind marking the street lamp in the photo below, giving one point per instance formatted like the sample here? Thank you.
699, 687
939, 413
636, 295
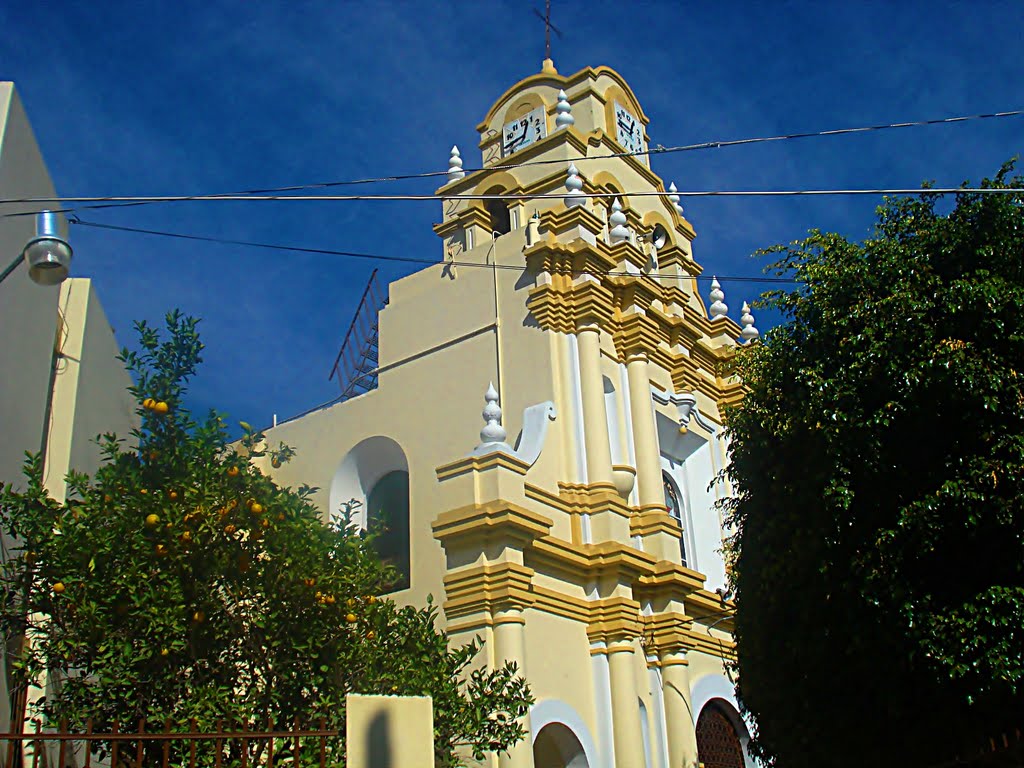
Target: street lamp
47, 255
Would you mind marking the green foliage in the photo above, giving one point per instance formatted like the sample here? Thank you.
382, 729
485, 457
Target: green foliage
879, 465
181, 583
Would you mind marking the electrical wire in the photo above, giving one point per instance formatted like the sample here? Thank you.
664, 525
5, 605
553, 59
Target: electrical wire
543, 196
657, 150
400, 259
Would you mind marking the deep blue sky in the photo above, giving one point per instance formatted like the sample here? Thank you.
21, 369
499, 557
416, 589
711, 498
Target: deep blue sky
198, 97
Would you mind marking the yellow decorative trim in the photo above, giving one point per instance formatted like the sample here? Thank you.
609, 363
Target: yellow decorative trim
613, 619
671, 581
481, 463
493, 518
486, 588
648, 522
565, 83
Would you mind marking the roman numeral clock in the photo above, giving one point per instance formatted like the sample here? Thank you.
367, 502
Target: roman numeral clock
628, 131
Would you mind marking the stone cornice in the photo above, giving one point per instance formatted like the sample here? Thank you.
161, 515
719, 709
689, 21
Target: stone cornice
497, 518
480, 463
487, 587
613, 619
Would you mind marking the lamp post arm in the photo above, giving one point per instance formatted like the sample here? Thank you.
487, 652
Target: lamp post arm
11, 267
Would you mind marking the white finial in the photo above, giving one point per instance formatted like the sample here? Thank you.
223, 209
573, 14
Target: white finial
455, 165
617, 223
574, 187
749, 332
674, 198
563, 108
718, 306
492, 432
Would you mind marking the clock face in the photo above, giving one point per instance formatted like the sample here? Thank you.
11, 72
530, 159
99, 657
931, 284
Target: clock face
628, 131
524, 131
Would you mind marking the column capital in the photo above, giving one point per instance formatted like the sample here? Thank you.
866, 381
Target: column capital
587, 325
637, 356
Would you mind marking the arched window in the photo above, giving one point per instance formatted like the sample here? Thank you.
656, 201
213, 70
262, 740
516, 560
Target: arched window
718, 744
387, 516
674, 502
557, 747
501, 216
371, 487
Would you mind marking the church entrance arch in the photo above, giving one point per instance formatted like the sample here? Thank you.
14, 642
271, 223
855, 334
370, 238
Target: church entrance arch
718, 743
556, 746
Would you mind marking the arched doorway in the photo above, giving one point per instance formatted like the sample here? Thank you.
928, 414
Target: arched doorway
557, 747
718, 744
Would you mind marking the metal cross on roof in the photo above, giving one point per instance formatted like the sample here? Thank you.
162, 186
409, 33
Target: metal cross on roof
548, 27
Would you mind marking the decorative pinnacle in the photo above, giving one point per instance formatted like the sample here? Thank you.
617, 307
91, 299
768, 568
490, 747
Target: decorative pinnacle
574, 187
718, 306
674, 198
749, 332
563, 108
617, 223
492, 432
455, 165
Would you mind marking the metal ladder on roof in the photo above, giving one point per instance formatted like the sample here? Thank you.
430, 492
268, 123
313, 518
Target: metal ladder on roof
355, 367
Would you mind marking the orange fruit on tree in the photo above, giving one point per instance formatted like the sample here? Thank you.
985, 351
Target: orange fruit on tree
172, 495
229, 529
309, 582
58, 588
329, 599
152, 521
265, 523
370, 635
275, 463
256, 508
161, 550
198, 617
280, 516
186, 537
351, 618
371, 599
161, 408
232, 471
148, 403
164, 652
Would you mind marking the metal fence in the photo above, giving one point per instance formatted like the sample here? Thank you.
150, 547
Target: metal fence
225, 747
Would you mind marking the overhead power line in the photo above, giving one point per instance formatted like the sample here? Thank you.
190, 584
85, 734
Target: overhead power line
391, 258
544, 196
657, 150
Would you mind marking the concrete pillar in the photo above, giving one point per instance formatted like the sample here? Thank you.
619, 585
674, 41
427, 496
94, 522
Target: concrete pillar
595, 419
510, 645
629, 747
645, 436
681, 720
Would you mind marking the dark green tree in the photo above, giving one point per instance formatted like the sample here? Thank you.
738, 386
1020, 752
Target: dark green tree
878, 462
180, 583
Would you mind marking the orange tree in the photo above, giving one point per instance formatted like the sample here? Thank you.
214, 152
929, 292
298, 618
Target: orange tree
181, 583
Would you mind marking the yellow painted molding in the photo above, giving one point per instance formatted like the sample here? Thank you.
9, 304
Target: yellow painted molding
487, 587
614, 619
648, 522
481, 463
667, 632
670, 581
587, 75
486, 521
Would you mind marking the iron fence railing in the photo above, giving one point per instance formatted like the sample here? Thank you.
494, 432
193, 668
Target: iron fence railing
236, 746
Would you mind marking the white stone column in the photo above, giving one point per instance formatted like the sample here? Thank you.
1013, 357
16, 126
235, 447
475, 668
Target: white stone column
595, 418
510, 645
645, 435
682, 734
629, 748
